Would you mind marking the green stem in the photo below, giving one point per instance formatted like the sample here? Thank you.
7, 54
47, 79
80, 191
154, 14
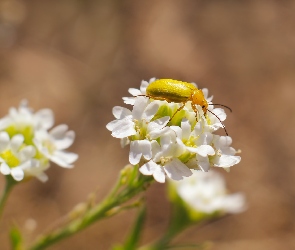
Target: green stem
134, 237
178, 223
8, 187
117, 197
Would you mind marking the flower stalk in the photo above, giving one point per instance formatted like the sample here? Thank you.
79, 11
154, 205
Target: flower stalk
9, 184
130, 183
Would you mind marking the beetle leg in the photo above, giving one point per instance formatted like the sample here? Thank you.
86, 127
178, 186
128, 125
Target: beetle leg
196, 110
180, 108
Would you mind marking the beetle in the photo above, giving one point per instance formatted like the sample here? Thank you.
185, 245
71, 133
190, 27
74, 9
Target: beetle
179, 92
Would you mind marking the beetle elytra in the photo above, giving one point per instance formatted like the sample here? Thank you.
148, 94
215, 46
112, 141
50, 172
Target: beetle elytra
180, 92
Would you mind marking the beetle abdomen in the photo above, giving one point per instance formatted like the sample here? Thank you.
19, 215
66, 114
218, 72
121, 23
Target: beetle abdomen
170, 90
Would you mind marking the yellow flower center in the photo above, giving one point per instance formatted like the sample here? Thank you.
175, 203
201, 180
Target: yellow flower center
26, 130
10, 159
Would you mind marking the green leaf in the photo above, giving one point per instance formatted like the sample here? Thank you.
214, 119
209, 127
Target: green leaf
16, 239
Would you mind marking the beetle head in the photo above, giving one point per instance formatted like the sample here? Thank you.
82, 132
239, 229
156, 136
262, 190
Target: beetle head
199, 99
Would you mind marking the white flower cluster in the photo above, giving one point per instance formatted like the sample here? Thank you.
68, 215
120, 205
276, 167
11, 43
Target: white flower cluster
164, 147
27, 146
207, 193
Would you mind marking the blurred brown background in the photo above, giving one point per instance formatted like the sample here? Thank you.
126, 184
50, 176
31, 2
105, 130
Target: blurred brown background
80, 57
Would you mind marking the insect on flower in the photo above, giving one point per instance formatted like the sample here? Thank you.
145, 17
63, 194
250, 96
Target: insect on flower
180, 92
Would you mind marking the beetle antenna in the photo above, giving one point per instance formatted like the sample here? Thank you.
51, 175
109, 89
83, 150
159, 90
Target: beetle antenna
221, 105
219, 120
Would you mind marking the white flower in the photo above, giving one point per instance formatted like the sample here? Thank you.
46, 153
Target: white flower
226, 155
197, 144
207, 193
14, 156
163, 146
52, 144
165, 159
23, 118
137, 124
26, 145
209, 149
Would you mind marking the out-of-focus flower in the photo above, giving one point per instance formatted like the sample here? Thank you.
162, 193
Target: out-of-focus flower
206, 193
171, 147
27, 147
53, 143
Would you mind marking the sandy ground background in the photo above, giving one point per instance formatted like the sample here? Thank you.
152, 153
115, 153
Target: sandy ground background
80, 57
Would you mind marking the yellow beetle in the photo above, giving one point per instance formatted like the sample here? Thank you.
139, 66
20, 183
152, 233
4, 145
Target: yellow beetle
179, 92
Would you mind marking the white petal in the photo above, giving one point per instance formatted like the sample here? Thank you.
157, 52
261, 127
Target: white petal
172, 147
154, 134
177, 130
5, 122
148, 168
46, 118
129, 100
123, 128
176, 170
186, 129
159, 174
204, 150
167, 139
156, 148
151, 168
198, 129
16, 142
225, 141
113, 124
134, 92
69, 157
23, 108
219, 113
135, 153
17, 173
158, 124
66, 142
27, 153
38, 142
139, 107
206, 93
62, 138
59, 131
225, 161
180, 148
144, 84
205, 139
28, 165
146, 149
42, 177
203, 163
13, 112
4, 140
4, 168
150, 111
64, 159
121, 112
